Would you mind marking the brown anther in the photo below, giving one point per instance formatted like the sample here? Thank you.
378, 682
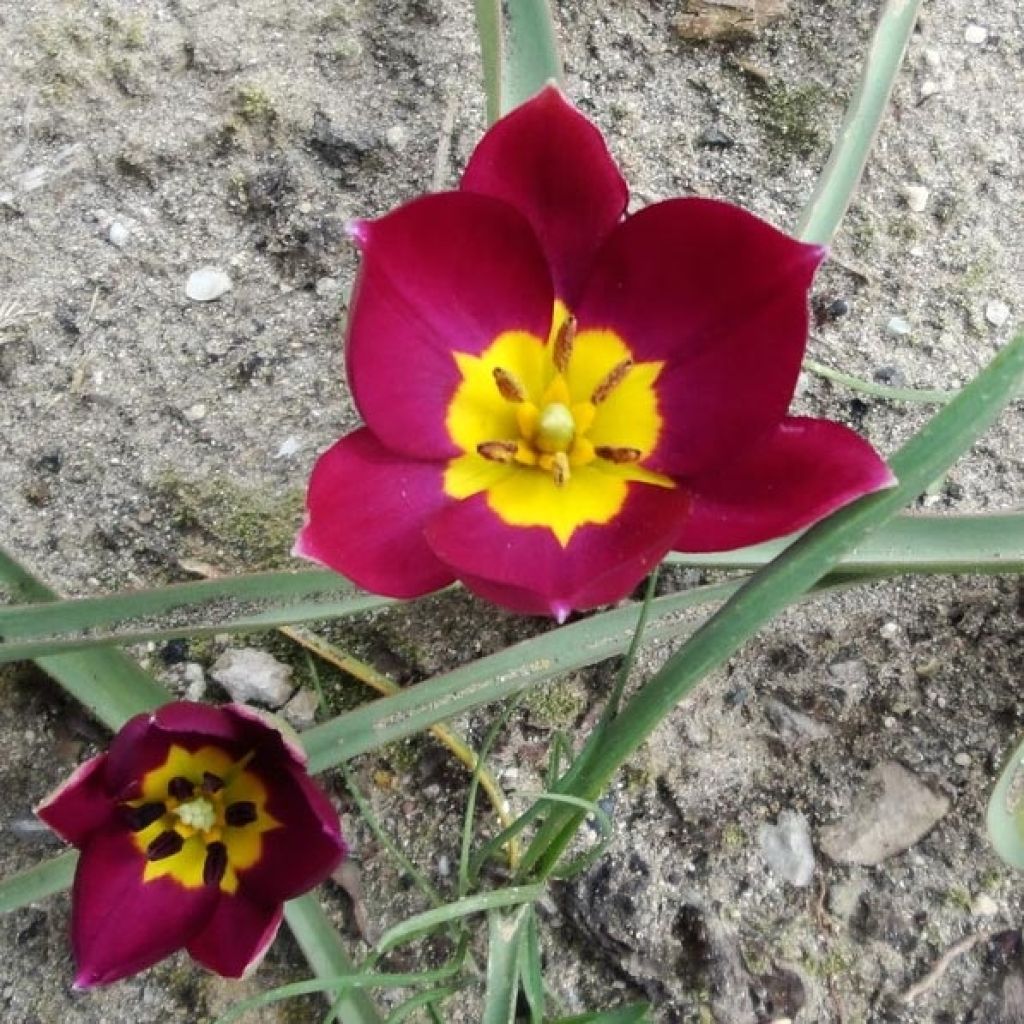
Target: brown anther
216, 863
560, 468
143, 816
240, 813
615, 376
181, 788
509, 386
212, 783
618, 455
167, 844
563, 344
498, 451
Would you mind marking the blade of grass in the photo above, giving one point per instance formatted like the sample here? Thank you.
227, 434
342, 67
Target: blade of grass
926, 396
419, 1001
38, 882
321, 945
1005, 817
531, 52
635, 1013
838, 181
504, 946
530, 970
992, 543
488, 30
928, 454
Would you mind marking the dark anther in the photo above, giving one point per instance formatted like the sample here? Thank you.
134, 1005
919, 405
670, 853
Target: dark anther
211, 782
143, 816
216, 863
180, 788
241, 812
167, 844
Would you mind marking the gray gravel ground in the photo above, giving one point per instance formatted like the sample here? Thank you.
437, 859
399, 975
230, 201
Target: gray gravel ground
140, 142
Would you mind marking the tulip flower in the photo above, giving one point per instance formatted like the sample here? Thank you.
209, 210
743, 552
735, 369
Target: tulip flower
556, 395
194, 828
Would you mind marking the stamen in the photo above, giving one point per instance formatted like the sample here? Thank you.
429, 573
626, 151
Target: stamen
212, 783
616, 375
216, 863
240, 813
560, 468
180, 788
143, 816
563, 344
618, 455
498, 451
509, 386
167, 844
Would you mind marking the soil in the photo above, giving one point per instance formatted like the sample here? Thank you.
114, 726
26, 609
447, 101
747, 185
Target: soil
142, 141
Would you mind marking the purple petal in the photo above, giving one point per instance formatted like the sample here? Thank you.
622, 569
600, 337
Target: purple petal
236, 937
444, 273
721, 298
797, 475
81, 805
552, 164
366, 512
121, 925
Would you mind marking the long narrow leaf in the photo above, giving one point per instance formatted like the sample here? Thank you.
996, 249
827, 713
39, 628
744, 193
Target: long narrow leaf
504, 946
838, 181
488, 30
36, 883
921, 460
531, 54
1005, 818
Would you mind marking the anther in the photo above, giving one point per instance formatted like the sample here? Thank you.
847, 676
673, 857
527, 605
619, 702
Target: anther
167, 844
180, 788
563, 344
560, 468
618, 455
212, 783
509, 386
144, 815
216, 863
498, 451
240, 813
615, 376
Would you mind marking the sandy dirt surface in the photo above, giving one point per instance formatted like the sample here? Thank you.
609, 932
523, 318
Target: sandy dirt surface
140, 142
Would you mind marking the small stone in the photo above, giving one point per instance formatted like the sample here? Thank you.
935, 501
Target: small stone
889, 375
963, 759
984, 906
898, 327
444, 866
252, 676
118, 234
792, 726
917, 197
288, 447
929, 87
194, 413
397, 138
195, 680
327, 286
997, 312
889, 631
892, 811
207, 284
300, 711
975, 34
932, 57
715, 138
786, 847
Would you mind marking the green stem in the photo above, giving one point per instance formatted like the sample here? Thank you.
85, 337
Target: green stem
838, 181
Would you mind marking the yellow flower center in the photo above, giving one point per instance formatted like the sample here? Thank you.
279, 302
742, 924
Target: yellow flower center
553, 431
200, 818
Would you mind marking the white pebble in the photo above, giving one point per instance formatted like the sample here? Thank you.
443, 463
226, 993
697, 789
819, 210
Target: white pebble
118, 234
962, 758
194, 413
917, 197
889, 631
997, 312
932, 57
289, 446
975, 34
397, 138
929, 87
207, 284
898, 326
253, 676
195, 680
984, 906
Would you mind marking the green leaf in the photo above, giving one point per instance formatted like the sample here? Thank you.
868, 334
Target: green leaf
922, 459
531, 52
1005, 818
531, 975
992, 543
204, 607
321, 945
838, 181
106, 681
504, 946
488, 30
36, 883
